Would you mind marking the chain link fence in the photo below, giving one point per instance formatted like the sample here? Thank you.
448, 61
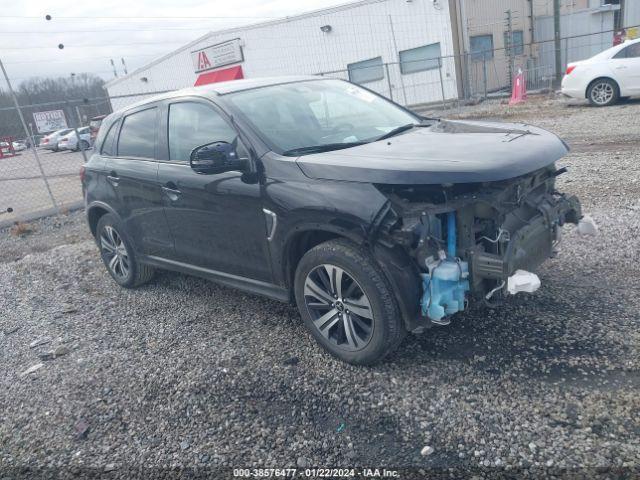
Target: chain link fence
36, 179
481, 74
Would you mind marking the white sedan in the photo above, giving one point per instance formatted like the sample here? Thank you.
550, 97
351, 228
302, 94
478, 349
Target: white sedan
70, 140
606, 77
18, 146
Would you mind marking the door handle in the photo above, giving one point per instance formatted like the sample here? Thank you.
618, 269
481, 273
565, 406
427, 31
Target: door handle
171, 192
113, 179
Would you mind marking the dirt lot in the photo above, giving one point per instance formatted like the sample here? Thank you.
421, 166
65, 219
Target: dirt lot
184, 374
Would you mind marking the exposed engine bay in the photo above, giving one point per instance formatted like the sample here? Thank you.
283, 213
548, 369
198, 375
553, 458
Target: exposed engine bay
477, 240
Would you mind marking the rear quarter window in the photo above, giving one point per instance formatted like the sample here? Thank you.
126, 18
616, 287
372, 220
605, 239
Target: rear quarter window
108, 145
138, 134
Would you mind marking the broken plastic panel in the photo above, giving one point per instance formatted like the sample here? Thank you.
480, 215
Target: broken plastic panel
523, 281
587, 226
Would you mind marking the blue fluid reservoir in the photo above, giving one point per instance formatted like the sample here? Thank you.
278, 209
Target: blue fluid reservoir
443, 292
445, 287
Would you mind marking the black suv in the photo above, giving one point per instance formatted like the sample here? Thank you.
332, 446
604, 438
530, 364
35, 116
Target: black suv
374, 220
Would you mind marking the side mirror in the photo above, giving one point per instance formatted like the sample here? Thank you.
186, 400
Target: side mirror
216, 157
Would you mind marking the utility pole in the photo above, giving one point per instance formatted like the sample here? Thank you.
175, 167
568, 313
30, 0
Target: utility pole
26, 132
531, 20
115, 72
510, 51
556, 37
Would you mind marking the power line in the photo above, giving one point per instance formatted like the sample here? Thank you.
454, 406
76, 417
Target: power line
93, 45
100, 72
125, 17
36, 32
81, 59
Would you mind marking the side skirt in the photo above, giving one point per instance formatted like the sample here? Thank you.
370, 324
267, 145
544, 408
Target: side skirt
249, 285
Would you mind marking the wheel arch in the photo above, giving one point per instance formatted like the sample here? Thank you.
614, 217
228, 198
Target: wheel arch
399, 269
95, 211
304, 239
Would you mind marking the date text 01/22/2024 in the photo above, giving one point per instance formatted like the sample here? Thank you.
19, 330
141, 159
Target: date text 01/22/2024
315, 473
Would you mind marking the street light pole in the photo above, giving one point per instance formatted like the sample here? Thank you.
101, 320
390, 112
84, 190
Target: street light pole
26, 132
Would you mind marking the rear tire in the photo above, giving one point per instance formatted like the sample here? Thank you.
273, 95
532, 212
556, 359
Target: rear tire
118, 255
347, 304
603, 92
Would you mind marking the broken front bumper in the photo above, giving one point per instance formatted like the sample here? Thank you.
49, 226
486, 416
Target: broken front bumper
528, 246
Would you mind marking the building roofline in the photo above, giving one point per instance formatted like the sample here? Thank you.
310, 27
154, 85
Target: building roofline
221, 89
227, 31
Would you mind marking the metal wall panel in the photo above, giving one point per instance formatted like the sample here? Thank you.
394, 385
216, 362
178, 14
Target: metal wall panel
489, 17
587, 23
631, 13
298, 46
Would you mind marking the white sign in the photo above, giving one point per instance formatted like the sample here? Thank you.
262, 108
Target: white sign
50, 121
217, 55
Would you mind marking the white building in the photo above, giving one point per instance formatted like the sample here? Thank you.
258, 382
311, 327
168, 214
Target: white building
413, 51
390, 46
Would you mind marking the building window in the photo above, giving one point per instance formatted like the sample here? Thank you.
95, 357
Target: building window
419, 59
366, 71
517, 46
481, 47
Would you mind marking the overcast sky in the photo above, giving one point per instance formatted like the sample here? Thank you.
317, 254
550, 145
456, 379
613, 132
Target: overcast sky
104, 29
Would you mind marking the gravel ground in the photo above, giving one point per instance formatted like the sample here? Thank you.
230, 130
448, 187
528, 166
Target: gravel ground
23, 190
185, 374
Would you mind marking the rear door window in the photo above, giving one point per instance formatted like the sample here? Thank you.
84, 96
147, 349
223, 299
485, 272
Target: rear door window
138, 134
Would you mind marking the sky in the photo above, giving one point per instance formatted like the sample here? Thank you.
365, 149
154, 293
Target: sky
94, 31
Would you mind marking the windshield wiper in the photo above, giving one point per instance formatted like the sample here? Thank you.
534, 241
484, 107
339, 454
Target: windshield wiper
398, 130
327, 147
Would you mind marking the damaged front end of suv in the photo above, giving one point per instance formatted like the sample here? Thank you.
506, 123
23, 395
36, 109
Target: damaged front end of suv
480, 240
477, 240
473, 205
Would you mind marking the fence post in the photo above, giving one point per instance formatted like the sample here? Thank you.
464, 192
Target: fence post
75, 129
467, 76
441, 82
484, 75
386, 68
26, 132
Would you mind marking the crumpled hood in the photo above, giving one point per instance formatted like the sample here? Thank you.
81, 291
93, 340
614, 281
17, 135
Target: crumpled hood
446, 152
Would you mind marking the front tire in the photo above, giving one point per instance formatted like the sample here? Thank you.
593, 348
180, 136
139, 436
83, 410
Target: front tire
118, 255
603, 92
347, 304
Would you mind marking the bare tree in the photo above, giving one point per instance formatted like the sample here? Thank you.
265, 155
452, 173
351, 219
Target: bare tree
82, 93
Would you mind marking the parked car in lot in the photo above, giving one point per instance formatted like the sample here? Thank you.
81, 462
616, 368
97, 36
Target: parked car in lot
70, 140
50, 142
5, 148
94, 125
19, 145
373, 220
606, 77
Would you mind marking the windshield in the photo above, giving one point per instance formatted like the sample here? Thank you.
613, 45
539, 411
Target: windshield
330, 113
